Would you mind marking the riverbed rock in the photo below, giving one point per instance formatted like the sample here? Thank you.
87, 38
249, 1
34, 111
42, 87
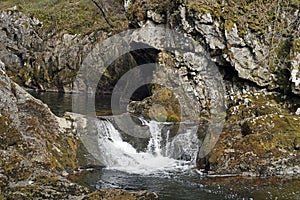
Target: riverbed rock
121, 194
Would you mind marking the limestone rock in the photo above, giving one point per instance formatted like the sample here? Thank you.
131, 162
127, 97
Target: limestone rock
211, 33
35, 150
295, 74
158, 18
245, 63
233, 38
39, 61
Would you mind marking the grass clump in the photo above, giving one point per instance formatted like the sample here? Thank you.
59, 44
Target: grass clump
73, 16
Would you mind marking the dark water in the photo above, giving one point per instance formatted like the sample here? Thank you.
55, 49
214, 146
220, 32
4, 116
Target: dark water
187, 186
60, 103
168, 187
192, 186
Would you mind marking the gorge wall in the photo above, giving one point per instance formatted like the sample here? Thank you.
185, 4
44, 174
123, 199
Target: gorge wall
255, 47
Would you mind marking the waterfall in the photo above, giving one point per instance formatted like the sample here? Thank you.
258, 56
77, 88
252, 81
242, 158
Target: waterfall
154, 145
162, 153
127, 4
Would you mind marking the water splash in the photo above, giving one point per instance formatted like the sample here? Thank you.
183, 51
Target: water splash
159, 157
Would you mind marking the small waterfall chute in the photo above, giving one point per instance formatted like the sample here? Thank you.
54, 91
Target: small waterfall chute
160, 156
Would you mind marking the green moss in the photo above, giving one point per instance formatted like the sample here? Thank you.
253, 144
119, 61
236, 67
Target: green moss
255, 106
166, 59
257, 16
66, 157
9, 135
199, 8
228, 25
137, 10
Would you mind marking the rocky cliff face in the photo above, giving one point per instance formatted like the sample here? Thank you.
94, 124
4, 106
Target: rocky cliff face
263, 52
256, 47
43, 61
38, 60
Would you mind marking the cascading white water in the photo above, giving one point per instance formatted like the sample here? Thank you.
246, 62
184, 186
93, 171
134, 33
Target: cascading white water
127, 4
154, 145
120, 155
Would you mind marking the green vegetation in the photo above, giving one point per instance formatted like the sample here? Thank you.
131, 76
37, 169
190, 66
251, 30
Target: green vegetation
73, 16
9, 135
257, 16
273, 22
137, 10
260, 126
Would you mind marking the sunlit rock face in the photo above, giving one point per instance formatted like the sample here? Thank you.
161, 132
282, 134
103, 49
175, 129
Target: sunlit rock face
258, 57
37, 148
261, 76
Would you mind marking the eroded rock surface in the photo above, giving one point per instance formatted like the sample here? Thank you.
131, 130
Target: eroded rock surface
35, 150
39, 150
259, 64
256, 52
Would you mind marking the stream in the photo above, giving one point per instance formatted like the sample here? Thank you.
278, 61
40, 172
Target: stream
159, 164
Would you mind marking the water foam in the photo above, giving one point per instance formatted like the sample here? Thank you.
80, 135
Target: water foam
120, 155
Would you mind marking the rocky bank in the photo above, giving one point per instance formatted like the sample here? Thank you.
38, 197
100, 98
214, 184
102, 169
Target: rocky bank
255, 47
39, 150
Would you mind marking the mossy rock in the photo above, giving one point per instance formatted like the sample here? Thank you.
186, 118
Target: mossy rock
260, 131
9, 135
118, 194
258, 146
138, 9
256, 105
164, 106
272, 123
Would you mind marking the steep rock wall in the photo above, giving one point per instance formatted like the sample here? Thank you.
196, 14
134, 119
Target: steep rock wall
256, 48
